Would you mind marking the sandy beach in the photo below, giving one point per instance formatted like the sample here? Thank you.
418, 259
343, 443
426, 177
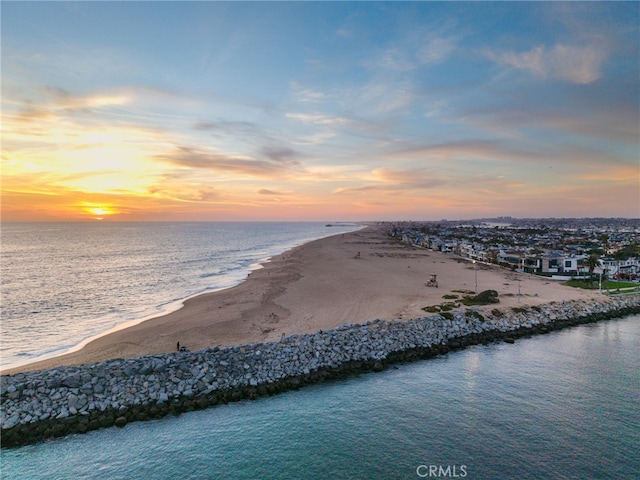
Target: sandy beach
354, 277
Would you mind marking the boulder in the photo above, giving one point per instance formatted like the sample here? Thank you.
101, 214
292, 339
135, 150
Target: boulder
120, 422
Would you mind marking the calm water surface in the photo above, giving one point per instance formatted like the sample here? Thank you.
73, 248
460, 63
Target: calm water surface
557, 406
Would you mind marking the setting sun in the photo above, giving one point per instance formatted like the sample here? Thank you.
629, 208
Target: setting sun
99, 211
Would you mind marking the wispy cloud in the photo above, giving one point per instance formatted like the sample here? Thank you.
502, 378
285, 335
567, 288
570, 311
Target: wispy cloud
606, 118
318, 119
384, 97
279, 153
305, 94
226, 126
266, 191
581, 64
395, 180
436, 50
229, 163
394, 59
465, 149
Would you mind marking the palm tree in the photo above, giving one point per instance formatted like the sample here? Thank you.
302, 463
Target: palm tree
592, 262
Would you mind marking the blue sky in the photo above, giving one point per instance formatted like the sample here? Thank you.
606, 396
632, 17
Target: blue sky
319, 111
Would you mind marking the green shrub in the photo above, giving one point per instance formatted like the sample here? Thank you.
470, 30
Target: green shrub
447, 315
449, 297
483, 298
497, 313
432, 309
465, 292
474, 314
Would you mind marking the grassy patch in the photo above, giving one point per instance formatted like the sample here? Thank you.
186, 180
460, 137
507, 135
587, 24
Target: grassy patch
449, 296
432, 309
447, 306
447, 315
606, 285
464, 292
483, 298
519, 310
497, 313
443, 307
474, 314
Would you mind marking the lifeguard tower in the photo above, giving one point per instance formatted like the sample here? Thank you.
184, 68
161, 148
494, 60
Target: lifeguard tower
433, 281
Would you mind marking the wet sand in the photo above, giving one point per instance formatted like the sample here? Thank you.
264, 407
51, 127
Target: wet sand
354, 278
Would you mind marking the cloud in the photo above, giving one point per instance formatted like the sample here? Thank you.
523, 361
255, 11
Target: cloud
330, 126
207, 194
184, 187
602, 119
465, 149
226, 126
407, 177
394, 180
435, 51
63, 99
318, 119
393, 59
303, 94
230, 163
381, 97
279, 154
318, 138
265, 191
571, 63
53, 103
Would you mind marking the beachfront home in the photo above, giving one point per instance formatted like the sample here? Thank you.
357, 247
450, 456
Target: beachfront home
575, 265
628, 269
552, 262
556, 263
510, 259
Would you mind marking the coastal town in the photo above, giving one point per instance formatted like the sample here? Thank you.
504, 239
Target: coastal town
578, 249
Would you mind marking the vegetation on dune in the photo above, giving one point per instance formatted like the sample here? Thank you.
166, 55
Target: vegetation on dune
483, 298
473, 314
443, 307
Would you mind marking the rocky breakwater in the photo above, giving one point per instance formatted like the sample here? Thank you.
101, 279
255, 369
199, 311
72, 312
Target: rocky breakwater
64, 400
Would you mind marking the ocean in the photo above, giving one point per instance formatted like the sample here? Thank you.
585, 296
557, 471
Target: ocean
64, 283
556, 406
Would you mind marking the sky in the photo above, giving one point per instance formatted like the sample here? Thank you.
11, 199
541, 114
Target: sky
319, 111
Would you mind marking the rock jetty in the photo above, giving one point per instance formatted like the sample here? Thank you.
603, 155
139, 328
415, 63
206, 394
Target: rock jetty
59, 401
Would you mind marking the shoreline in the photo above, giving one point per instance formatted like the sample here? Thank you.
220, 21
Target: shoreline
174, 306
57, 402
344, 278
67, 356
